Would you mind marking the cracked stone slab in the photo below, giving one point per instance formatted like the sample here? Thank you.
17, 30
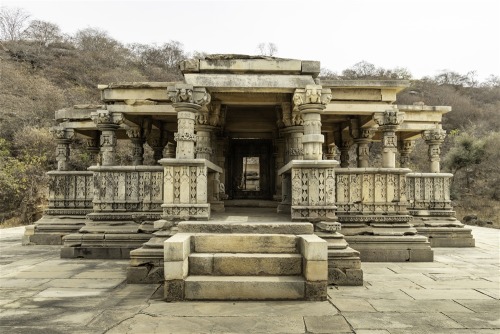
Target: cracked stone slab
488, 320
402, 306
329, 324
142, 323
389, 320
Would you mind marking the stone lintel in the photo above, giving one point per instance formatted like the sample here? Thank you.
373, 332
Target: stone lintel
307, 164
135, 85
271, 83
440, 109
398, 85
74, 114
251, 66
157, 109
191, 162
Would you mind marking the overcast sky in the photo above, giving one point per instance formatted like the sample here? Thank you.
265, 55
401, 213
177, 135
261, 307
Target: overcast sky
425, 36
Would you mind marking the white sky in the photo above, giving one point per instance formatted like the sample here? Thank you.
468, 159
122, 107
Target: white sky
425, 36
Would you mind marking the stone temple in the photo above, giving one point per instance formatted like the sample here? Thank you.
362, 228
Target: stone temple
250, 131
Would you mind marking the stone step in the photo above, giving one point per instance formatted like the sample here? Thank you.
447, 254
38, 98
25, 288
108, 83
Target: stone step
245, 264
245, 243
244, 287
245, 227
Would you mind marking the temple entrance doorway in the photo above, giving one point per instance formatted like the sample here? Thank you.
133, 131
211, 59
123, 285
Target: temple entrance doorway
251, 167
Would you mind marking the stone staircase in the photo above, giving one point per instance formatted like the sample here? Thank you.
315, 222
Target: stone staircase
245, 261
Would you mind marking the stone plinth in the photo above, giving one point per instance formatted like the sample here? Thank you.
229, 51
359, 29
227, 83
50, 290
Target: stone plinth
312, 185
70, 199
433, 215
186, 188
372, 208
126, 198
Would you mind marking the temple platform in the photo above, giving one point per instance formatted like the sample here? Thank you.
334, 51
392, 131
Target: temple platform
457, 293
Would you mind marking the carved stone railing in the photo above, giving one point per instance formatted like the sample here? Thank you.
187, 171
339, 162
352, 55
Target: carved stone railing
70, 193
429, 191
127, 189
189, 188
309, 189
371, 194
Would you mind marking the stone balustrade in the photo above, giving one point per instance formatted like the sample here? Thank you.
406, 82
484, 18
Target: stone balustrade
70, 192
371, 191
127, 188
429, 191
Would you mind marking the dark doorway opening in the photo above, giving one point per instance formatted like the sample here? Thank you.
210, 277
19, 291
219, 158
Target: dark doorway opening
251, 169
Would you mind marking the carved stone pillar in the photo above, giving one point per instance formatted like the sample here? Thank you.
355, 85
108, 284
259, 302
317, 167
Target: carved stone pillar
107, 123
293, 143
204, 149
405, 149
389, 121
157, 140
187, 101
279, 158
362, 138
92, 145
434, 138
310, 102
344, 153
63, 139
135, 135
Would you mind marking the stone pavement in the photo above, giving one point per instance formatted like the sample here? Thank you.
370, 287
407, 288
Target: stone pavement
458, 293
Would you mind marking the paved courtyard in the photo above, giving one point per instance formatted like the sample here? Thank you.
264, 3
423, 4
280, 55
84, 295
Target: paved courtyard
458, 293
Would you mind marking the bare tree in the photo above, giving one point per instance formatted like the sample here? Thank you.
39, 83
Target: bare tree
12, 23
43, 32
267, 49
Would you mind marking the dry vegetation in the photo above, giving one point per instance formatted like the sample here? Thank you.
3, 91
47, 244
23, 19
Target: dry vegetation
43, 69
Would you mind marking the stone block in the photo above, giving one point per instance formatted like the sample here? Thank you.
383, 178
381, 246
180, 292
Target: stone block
201, 264
245, 227
244, 243
316, 270
178, 247
243, 264
313, 247
421, 255
316, 290
47, 239
244, 287
175, 270
173, 290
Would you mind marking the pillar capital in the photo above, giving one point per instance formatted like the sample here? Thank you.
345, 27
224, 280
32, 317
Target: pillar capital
105, 119
312, 94
184, 93
61, 134
389, 118
434, 136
